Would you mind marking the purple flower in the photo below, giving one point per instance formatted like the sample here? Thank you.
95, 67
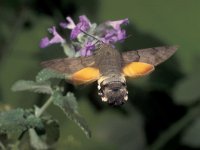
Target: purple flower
84, 24
56, 38
117, 24
113, 36
86, 50
115, 33
109, 32
70, 25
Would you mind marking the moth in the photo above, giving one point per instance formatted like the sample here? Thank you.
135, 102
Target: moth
110, 69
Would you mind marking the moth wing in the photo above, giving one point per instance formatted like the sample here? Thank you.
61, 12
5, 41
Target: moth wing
153, 56
137, 69
85, 75
141, 62
81, 70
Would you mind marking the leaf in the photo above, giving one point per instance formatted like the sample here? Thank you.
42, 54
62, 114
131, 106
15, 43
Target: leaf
32, 121
187, 91
69, 106
67, 50
52, 131
191, 136
47, 74
15, 122
41, 87
36, 142
12, 123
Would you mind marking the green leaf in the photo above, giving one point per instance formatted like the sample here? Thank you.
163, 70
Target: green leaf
12, 123
41, 87
67, 50
187, 91
33, 121
69, 106
47, 74
191, 136
36, 141
15, 122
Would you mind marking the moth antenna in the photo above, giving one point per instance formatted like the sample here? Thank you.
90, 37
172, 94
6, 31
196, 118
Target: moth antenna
91, 36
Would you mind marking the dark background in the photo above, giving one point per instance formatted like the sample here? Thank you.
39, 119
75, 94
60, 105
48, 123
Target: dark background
162, 107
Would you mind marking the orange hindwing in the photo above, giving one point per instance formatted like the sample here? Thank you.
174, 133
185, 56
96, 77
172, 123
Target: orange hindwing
85, 75
137, 69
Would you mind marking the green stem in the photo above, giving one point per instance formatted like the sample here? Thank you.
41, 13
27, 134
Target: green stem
41, 110
2, 146
165, 137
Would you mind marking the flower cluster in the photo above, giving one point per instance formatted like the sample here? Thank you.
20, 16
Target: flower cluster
108, 32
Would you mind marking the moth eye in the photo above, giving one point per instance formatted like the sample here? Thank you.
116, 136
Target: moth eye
124, 84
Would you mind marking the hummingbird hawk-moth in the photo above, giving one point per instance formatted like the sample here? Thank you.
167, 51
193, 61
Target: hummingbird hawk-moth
110, 68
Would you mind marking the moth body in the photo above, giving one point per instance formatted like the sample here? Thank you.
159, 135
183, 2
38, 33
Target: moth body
112, 83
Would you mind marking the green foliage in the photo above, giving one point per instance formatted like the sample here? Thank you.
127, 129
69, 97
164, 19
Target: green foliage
46, 140
68, 51
66, 103
14, 122
69, 105
25, 132
47, 74
38, 87
35, 141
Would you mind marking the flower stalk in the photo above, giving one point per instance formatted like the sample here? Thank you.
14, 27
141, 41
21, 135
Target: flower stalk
40, 111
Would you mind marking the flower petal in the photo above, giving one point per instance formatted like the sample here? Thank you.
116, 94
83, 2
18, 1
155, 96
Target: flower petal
56, 38
116, 24
84, 24
44, 42
70, 25
121, 35
86, 50
114, 34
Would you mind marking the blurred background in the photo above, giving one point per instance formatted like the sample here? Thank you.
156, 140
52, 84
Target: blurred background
163, 108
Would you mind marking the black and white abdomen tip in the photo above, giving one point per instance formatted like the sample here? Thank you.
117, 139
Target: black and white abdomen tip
114, 93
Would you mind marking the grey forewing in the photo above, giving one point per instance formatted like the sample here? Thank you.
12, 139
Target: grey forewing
153, 56
69, 65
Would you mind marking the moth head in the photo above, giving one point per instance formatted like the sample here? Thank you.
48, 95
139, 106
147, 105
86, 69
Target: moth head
114, 93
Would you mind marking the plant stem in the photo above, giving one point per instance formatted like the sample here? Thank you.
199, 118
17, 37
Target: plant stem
2, 146
165, 137
41, 110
